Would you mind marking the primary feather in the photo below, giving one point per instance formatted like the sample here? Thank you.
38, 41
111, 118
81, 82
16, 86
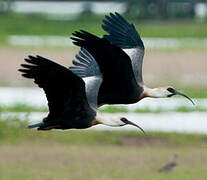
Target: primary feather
121, 33
125, 36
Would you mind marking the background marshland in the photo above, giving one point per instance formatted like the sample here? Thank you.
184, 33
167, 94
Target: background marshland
175, 54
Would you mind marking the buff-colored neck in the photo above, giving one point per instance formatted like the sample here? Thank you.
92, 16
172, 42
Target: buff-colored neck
107, 120
160, 92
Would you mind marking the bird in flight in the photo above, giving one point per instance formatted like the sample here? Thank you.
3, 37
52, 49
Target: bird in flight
119, 56
72, 100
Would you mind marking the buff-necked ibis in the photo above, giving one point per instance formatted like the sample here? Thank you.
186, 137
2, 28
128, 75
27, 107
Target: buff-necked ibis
119, 56
72, 100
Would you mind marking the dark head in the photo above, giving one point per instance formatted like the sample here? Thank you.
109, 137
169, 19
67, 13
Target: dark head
127, 122
162, 92
172, 92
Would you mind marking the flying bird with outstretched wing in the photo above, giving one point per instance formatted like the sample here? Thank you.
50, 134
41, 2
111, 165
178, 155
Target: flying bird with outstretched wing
119, 56
72, 100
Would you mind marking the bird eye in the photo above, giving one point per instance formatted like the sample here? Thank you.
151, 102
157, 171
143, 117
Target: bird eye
171, 90
124, 120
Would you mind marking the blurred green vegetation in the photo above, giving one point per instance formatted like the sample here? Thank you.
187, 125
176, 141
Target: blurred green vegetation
108, 109
112, 109
14, 130
23, 108
34, 24
195, 92
37, 24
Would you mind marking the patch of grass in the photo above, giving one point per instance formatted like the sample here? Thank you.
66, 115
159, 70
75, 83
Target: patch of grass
20, 24
146, 110
195, 92
36, 161
13, 130
22, 108
82, 154
176, 30
34, 24
190, 109
108, 109
112, 109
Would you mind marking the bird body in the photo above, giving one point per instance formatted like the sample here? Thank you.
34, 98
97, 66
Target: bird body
119, 84
120, 57
66, 95
72, 100
171, 165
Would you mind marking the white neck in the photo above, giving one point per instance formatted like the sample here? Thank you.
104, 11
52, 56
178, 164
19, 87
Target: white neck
108, 120
155, 92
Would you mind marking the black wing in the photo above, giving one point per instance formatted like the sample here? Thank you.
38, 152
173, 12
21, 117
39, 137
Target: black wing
64, 90
125, 36
121, 33
119, 85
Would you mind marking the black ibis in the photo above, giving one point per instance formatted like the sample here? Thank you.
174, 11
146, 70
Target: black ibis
72, 100
119, 56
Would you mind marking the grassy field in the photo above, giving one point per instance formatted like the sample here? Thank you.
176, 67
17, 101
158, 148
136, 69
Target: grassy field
38, 161
29, 154
18, 24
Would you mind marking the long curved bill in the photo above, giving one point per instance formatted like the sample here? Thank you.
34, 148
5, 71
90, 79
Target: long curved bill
182, 94
133, 124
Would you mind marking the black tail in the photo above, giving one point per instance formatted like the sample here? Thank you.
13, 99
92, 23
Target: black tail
38, 125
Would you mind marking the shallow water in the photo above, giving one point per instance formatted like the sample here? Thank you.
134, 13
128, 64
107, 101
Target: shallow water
36, 97
191, 122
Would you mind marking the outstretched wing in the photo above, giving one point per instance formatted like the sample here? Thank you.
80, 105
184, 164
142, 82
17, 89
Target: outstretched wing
119, 85
125, 36
63, 89
121, 33
87, 68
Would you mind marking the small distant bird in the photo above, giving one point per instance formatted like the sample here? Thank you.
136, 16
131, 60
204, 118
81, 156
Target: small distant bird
72, 100
170, 165
119, 56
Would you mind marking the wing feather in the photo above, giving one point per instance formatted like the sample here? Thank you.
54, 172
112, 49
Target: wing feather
125, 36
86, 67
114, 64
